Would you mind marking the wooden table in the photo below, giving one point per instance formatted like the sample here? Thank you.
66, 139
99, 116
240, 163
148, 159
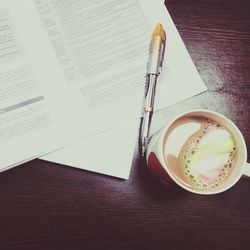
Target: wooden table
48, 206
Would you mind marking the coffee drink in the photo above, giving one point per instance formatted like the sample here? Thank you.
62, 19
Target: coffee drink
199, 152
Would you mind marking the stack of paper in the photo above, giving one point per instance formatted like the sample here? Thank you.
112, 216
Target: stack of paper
84, 80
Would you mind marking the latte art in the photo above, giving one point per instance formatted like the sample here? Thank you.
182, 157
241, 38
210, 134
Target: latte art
199, 152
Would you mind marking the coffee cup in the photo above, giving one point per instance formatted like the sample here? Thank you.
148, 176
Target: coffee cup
200, 151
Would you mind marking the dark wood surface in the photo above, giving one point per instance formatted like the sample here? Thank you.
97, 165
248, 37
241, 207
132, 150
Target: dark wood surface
48, 206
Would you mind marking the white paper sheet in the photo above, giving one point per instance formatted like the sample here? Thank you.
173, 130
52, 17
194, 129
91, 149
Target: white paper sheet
180, 80
102, 53
33, 89
109, 153
103, 50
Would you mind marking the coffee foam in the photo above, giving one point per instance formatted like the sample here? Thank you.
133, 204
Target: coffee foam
206, 156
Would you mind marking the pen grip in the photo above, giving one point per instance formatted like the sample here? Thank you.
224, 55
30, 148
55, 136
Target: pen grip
148, 106
150, 93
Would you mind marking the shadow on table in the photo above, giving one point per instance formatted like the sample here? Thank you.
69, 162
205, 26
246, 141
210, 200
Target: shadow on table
150, 185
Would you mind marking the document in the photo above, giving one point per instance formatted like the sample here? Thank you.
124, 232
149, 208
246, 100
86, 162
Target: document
73, 69
66, 75
33, 89
122, 85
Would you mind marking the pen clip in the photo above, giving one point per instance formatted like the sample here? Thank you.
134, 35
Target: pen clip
163, 46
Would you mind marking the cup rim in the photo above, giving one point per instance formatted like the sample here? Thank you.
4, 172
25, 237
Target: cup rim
161, 146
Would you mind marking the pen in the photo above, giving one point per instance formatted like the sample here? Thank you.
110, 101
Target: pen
154, 67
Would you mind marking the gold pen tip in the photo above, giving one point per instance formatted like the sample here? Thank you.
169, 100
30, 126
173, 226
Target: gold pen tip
159, 31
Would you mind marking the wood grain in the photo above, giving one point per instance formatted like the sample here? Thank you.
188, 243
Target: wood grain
49, 206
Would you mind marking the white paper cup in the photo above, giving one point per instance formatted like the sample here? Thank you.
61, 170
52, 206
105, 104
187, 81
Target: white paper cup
159, 168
